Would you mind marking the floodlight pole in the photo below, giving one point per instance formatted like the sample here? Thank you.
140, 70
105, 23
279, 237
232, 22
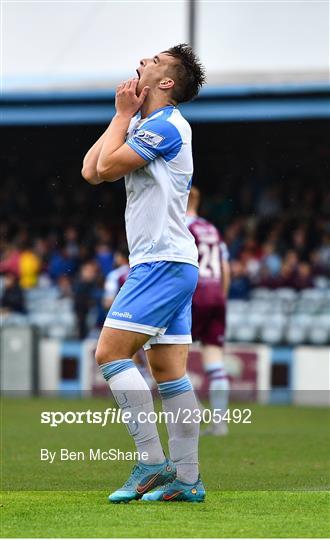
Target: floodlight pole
192, 23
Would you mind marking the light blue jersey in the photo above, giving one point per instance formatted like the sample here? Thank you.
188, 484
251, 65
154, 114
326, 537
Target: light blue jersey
157, 194
156, 298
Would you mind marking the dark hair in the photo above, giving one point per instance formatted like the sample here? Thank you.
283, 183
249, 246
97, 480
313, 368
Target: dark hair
189, 73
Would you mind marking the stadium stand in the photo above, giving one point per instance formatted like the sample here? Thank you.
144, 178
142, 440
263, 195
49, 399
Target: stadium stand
264, 185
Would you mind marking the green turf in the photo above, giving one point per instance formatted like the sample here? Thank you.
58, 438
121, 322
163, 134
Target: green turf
268, 478
224, 514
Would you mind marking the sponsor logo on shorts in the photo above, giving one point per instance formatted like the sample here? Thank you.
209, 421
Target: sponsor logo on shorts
123, 314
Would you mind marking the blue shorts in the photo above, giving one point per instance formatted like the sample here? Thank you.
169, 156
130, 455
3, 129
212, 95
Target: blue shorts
156, 300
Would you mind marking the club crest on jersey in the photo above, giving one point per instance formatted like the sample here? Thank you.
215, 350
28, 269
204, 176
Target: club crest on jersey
149, 137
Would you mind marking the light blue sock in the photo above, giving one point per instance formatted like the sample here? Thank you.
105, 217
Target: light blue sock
178, 397
112, 368
133, 395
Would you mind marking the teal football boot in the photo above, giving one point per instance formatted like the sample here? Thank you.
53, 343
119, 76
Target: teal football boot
178, 491
144, 478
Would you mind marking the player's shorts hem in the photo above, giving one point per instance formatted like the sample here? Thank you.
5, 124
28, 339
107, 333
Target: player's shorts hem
134, 327
179, 339
164, 258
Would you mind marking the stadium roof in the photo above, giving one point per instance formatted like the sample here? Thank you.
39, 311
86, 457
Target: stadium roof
253, 102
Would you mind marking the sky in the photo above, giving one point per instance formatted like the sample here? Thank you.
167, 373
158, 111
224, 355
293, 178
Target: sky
52, 43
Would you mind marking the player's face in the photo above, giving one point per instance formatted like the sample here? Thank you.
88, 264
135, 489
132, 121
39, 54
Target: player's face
152, 71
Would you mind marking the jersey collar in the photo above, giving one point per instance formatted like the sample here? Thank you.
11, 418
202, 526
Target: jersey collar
161, 109
141, 121
156, 111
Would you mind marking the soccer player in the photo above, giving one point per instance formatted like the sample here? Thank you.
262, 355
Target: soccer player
149, 142
209, 307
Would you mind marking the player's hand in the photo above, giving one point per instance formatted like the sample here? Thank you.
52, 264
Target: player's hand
127, 102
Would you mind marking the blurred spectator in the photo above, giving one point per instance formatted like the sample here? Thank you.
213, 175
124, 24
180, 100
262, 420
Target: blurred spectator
64, 286
233, 236
250, 257
318, 268
286, 276
324, 252
299, 241
12, 299
9, 261
291, 259
303, 279
104, 258
240, 283
41, 249
61, 262
29, 268
85, 296
270, 260
71, 242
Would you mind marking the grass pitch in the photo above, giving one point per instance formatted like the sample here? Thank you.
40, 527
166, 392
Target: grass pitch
266, 479
224, 514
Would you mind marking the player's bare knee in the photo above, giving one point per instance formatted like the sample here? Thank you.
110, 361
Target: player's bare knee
164, 374
104, 354
156, 373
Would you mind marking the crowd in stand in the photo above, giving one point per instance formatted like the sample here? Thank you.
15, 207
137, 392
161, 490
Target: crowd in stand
271, 244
